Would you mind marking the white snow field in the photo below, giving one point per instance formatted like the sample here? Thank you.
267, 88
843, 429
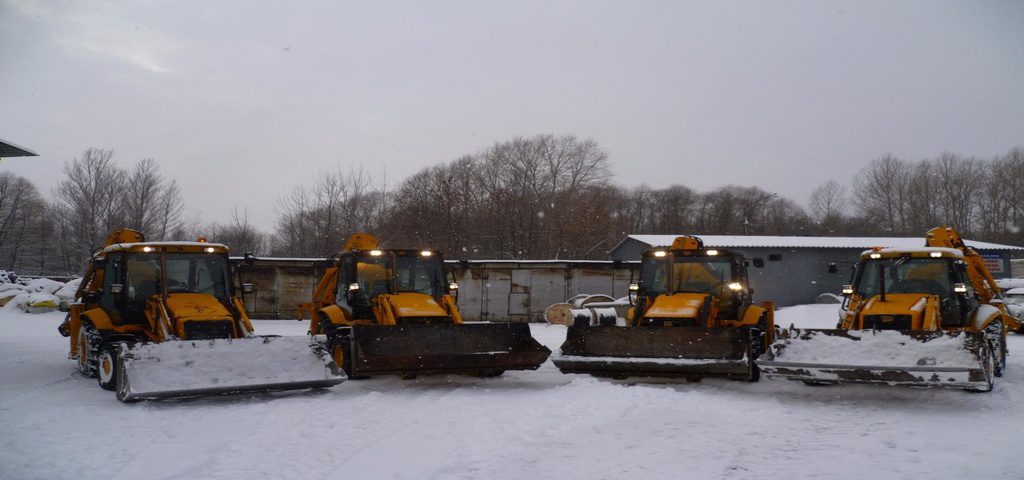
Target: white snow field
56, 424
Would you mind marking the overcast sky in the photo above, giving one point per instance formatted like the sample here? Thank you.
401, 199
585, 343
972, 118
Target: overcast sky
241, 101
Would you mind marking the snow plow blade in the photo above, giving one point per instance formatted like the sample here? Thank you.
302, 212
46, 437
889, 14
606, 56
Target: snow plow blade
192, 368
445, 348
688, 352
893, 357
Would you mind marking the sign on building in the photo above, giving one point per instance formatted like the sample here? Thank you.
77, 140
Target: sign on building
994, 262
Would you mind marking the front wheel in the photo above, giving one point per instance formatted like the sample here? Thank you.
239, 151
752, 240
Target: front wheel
107, 366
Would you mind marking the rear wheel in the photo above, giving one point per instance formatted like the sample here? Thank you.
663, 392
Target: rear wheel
88, 349
106, 367
996, 339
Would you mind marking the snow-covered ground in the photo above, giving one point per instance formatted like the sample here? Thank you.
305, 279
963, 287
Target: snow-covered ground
55, 423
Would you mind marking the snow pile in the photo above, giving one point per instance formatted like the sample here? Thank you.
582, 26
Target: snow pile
1008, 283
5, 276
878, 348
67, 292
33, 302
44, 285
38, 295
224, 364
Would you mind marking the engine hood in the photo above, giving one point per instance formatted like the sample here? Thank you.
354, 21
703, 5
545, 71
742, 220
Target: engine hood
196, 306
407, 304
676, 305
896, 304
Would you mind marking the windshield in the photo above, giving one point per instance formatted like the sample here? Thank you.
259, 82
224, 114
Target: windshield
420, 274
933, 276
689, 274
410, 273
700, 274
186, 273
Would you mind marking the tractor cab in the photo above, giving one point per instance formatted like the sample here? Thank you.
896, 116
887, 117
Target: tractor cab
692, 279
366, 274
900, 283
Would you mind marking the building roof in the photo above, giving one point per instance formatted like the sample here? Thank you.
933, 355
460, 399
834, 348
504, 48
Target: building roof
8, 150
768, 241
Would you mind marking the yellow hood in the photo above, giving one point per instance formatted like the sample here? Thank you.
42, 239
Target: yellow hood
196, 306
677, 305
408, 304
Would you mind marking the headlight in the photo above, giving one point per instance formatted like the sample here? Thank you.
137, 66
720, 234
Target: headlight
376, 253
735, 286
935, 254
426, 253
209, 249
353, 286
712, 252
876, 255
660, 253
147, 249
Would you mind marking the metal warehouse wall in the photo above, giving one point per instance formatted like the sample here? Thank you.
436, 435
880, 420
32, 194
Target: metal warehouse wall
521, 291
799, 275
497, 291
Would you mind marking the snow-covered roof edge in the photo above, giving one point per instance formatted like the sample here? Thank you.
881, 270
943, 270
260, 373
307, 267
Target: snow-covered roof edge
768, 241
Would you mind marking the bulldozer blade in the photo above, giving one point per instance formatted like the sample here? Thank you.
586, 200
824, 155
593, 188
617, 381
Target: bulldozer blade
445, 348
893, 357
688, 352
192, 368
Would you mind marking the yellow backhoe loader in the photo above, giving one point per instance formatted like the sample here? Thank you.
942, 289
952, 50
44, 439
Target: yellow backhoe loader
692, 317
161, 319
922, 317
393, 312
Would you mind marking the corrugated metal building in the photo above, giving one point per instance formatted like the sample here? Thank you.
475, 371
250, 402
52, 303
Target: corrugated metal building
796, 269
492, 290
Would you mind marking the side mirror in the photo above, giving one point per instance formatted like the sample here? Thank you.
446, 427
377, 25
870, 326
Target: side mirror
453, 288
832, 267
116, 288
248, 288
758, 262
634, 290
847, 289
960, 288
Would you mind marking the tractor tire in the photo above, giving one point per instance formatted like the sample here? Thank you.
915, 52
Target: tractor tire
88, 349
107, 366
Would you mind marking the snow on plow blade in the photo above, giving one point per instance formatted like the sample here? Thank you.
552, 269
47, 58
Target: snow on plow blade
917, 358
656, 352
190, 368
445, 348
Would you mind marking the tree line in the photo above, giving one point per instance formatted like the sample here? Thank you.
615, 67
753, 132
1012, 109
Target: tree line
539, 197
